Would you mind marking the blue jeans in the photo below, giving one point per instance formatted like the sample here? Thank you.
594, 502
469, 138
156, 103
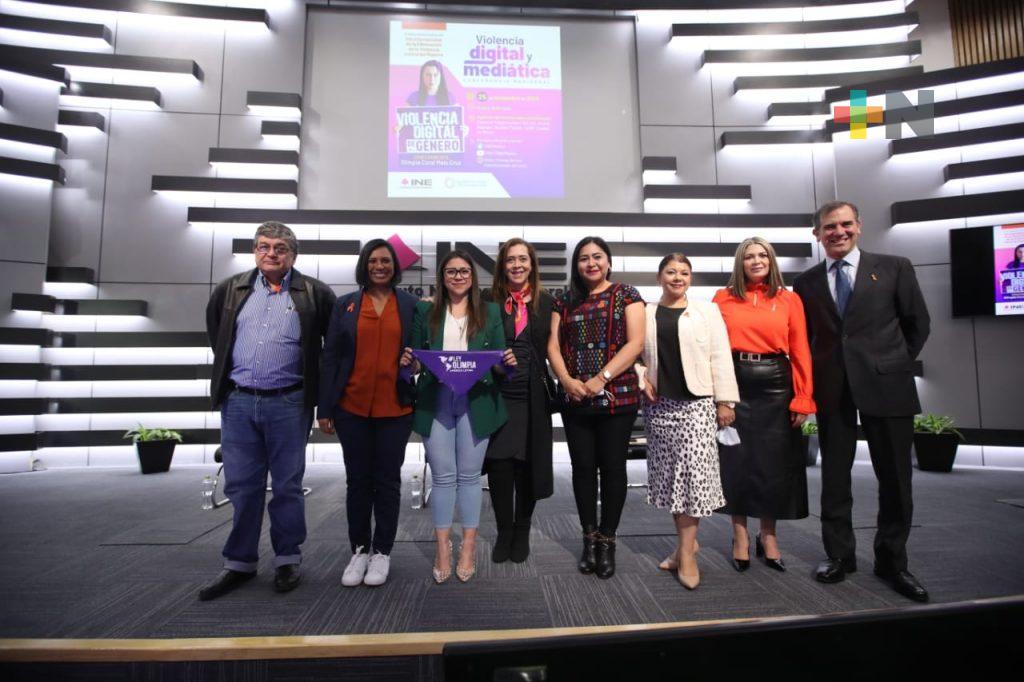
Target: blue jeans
456, 457
260, 434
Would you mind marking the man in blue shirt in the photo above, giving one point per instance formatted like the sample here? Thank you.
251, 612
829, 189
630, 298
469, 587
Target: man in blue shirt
266, 328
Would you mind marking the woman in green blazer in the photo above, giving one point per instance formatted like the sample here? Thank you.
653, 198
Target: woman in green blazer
456, 429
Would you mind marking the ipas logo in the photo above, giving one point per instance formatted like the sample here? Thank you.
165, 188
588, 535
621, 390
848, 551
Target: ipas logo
897, 111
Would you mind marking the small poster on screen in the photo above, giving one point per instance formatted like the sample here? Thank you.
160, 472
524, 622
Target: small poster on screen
1008, 248
475, 110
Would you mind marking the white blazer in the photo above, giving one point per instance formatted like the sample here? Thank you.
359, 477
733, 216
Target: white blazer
704, 346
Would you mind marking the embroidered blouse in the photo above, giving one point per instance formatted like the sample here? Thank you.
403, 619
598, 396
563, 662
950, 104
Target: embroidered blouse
590, 335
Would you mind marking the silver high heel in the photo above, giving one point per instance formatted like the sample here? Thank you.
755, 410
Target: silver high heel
441, 575
465, 576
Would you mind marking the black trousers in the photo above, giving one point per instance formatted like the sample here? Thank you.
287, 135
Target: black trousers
511, 487
374, 451
889, 441
597, 446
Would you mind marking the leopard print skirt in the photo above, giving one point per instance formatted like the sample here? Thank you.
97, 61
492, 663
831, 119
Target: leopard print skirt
682, 456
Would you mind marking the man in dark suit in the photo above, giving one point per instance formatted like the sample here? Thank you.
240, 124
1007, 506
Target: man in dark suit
867, 322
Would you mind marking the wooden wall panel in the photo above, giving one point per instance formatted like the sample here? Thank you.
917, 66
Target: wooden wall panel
986, 30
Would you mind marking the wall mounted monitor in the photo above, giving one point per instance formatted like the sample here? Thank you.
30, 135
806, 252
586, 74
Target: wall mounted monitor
988, 270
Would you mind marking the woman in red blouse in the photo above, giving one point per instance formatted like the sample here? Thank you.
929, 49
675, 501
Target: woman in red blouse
765, 475
597, 331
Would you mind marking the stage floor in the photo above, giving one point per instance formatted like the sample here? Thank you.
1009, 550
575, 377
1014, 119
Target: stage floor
109, 553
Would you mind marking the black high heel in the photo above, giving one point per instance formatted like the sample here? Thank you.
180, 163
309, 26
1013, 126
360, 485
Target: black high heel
740, 564
777, 564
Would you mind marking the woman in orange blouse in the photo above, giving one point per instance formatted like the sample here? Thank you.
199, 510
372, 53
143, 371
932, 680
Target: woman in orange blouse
365, 400
765, 474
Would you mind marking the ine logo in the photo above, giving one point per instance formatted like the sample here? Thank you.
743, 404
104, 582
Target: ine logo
897, 111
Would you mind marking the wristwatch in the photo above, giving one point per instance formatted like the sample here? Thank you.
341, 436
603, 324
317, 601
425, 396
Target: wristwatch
606, 375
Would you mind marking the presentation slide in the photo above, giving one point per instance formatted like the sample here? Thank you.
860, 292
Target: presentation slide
475, 110
1008, 249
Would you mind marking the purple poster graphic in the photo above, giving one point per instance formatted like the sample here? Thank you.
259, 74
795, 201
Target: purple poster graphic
459, 370
475, 110
1008, 251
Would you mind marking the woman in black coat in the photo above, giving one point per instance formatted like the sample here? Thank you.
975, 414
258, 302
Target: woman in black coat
518, 463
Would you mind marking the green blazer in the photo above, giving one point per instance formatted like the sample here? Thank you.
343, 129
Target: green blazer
486, 407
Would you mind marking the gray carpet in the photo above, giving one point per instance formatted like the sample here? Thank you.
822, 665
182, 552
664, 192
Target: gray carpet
112, 553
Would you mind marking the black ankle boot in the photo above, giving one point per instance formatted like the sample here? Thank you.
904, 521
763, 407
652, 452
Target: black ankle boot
605, 556
520, 543
502, 546
588, 560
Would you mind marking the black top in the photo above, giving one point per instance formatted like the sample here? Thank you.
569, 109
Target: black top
671, 378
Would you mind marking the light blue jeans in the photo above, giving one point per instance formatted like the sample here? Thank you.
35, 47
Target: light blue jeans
456, 457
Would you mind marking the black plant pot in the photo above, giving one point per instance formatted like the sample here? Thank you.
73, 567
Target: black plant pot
810, 448
155, 455
935, 451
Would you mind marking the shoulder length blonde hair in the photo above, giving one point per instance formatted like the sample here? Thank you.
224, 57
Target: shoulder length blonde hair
738, 279
499, 288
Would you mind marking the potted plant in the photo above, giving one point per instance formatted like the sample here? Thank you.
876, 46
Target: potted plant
154, 446
935, 442
809, 436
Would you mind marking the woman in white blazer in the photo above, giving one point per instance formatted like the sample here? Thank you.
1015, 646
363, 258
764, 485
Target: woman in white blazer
689, 387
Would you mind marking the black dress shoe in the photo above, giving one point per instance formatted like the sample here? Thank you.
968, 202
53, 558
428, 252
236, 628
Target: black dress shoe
834, 570
287, 578
740, 564
905, 583
770, 563
588, 560
604, 565
227, 581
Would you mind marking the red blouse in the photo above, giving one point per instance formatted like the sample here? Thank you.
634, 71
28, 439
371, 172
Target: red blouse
772, 325
371, 390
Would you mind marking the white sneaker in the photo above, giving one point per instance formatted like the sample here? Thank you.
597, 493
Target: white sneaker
356, 568
377, 573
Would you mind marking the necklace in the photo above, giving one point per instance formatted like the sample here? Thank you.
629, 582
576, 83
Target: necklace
461, 326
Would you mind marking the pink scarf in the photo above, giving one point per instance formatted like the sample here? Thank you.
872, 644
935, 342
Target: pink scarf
516, 301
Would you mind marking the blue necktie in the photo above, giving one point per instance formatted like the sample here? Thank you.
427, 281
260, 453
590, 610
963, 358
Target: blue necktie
843, 288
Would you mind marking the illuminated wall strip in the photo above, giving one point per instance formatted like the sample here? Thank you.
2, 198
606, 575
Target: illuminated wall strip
174, 183
172, 9
244, 216
977, 169
880, 85
49, 304
266, 156
960, 138
271, 103
284, 128
794, 27
22, 336
910, 48
35, 136
70, 274
658, 163
95, 94
105, 61
819, 80
942, 208
697, 192
24, 371
32, 169
88, 119
754, 137
310, 247
42, 71
56, 27
125, 339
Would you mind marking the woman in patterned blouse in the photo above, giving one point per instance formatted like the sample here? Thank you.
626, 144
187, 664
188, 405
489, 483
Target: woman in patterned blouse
597, 331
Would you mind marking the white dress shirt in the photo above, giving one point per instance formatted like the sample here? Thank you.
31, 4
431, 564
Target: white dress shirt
853, 261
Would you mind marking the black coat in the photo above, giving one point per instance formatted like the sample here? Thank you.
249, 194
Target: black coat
541, 438
875, 344
313, 301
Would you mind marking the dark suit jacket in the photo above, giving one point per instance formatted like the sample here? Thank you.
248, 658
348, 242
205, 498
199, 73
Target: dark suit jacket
875, 345
340, 348
313, 300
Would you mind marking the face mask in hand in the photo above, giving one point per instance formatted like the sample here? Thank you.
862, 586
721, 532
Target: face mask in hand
728, 436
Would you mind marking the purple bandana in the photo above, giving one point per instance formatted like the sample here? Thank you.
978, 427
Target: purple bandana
459, 370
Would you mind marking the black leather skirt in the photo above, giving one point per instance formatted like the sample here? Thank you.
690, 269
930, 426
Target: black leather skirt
765, 476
